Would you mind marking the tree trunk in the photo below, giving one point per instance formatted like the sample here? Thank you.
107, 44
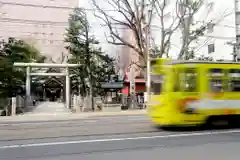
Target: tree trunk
91, 94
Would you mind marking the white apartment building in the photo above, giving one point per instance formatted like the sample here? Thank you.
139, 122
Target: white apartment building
41, 23
215, 41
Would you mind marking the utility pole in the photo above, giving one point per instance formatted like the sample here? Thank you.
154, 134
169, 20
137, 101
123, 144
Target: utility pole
148, 39
148, 65
236, 55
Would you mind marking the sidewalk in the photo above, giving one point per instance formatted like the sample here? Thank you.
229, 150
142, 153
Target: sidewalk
67, 116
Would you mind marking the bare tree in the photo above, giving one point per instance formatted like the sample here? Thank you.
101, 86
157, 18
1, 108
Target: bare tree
134, 19
189, 9
137, 14
190, 35
191, 30
167, 30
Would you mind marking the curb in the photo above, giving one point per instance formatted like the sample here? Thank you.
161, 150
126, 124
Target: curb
66, 117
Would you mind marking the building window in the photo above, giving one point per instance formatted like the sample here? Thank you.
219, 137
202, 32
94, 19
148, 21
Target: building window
210, 28
211, 48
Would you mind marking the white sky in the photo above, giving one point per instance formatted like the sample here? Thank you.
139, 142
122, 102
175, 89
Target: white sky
98, 30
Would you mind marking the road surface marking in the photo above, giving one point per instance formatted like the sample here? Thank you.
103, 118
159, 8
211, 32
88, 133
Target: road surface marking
90, 121
118, 139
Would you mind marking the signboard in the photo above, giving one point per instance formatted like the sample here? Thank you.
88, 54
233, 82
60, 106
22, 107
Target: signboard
157, 78
115, 85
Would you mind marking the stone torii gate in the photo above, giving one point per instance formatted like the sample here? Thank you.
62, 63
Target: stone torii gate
29, 66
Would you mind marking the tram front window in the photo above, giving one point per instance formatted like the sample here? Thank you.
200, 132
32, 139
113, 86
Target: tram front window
156, 84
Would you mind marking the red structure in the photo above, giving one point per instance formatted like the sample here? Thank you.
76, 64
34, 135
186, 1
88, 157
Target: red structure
139, 85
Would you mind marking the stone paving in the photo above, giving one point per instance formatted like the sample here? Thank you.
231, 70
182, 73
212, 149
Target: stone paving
50, 108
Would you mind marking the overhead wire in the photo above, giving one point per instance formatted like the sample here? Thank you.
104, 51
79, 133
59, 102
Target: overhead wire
52, 6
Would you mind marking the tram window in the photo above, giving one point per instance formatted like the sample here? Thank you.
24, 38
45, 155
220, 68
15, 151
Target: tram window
235, 86
189, 80
234, 73
234, 80
156, 83
216, 85
216, 80
176, 85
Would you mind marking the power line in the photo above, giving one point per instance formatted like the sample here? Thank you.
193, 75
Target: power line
61, 40
120, 28
39, 22
34, 5
18, 22
55, 24
218, 37
26, 37
53, 7
30, 38
34, 33
15, 20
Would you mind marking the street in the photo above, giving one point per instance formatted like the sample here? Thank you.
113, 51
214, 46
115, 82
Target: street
113, 137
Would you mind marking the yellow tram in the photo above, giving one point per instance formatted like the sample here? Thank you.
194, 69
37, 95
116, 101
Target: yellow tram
186, 93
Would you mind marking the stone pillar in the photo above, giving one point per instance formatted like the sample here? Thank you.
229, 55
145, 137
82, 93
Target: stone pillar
44, 93
76, 103
28, 86
67, 88
14, 106
61, 95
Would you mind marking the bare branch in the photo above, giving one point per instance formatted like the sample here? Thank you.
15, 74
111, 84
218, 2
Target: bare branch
116, 39
138, 64
189, 9
133, 21
191, 35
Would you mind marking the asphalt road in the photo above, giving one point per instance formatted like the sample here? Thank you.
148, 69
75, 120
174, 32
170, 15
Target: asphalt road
116, 138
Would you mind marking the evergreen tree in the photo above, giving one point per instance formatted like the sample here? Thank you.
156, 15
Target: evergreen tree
83, 47
12, 78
